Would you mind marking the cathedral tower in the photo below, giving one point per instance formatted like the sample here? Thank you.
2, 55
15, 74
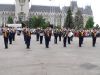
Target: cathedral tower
22, 10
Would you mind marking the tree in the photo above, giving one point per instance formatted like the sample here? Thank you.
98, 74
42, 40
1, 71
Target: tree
97, 26
32, 22
45, 25
39, 21
69, 20
10, 20
78, 21
89, 23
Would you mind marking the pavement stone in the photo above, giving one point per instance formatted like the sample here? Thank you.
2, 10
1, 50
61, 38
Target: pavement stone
56, 60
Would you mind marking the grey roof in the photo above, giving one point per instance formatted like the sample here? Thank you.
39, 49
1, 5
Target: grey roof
7, 7
88, 10
81, 9
38, 8
65, 9
73, 5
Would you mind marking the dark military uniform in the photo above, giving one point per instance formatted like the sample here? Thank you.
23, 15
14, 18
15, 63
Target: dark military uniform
28, 39
82, 33
93, 38
47, 38
41, 36
24, 33
60, 34
13, 34
64, 38
80, 38
69, 38
55, 36
50, 34
6, 36
10, 36
37, 34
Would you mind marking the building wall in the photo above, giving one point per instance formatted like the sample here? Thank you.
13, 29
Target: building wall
55, 18
25, 8
4, 16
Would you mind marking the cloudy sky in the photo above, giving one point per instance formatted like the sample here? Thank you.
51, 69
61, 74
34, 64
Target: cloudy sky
81, 3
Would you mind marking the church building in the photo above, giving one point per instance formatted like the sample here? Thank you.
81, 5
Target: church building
53, 14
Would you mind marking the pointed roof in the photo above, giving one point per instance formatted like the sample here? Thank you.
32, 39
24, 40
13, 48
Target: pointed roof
38, 8
7, 7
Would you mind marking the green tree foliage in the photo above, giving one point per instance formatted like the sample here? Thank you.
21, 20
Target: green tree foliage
32, 22
97, 26
39, 21
89, 23
69, 20
78, 20
10, 20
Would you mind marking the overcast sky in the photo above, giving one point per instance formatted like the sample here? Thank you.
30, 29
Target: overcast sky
81, 3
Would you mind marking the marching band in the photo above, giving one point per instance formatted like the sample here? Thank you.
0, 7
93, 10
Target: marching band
66, 34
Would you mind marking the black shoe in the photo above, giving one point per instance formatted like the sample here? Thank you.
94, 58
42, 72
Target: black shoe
64, 46
93, 46
28, 47
6, 47
47, 47
9, 43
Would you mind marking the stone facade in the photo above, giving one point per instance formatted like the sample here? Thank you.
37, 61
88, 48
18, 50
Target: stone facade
86, 12
22, 9
53, 14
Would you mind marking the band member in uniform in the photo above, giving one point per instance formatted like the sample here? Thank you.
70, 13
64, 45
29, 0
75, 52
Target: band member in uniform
47, 38
14, 32
64, 38
41, 36
60, 34
37, 34
93, 38
80, 38
55, 36
70, 36
82, 34
6, 36
28, 38
24, 33
50, 31
10, 35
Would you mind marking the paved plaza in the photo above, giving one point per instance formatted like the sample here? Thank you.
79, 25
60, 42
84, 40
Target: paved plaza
56, 60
